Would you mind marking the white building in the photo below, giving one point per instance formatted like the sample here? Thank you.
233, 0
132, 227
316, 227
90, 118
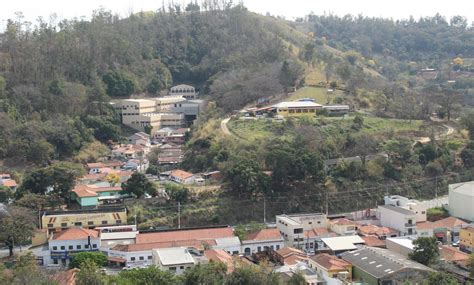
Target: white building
293, 227
461, 200
182, 177
114, 235
410, 204
343, 226
401, 219
343, 243
69, 241
401, 245
187, 91
177, 260
262, 240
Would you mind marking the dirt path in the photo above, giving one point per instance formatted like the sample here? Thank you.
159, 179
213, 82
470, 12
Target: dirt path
224, 127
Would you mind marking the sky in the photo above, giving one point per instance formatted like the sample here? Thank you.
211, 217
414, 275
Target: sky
397, 9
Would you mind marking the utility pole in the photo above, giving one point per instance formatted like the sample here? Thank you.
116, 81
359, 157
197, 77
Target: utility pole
264, 210
179, 215
327, 201
436, 186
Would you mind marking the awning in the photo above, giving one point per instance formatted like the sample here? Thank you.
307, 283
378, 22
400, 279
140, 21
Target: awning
116, 259
439, 235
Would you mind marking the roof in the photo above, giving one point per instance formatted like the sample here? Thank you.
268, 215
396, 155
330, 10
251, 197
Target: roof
380, 262
193, 243
171, 256
65, 277
75, 233
446, 223
374, 241
8, 183
318, 232
399, 210
92, 190
181, 235
182, 86
181, 174
330, 262
466, 188
343, 242
452, 254
287, 251
297, 104
220, 255
343, 221
294, 259
405, 242
264, 235
376, 230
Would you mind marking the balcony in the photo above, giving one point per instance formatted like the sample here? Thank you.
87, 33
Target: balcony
410, 225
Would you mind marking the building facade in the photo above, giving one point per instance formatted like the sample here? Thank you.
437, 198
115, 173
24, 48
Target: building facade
293, 227
398, 218
461, 200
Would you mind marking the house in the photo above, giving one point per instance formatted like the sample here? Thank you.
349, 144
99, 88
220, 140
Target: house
313, 239
466, 239
296, 108
290, 255
140, 138
461, 199
380, 232
177, 260
111, 236
129, 151
343, 243
200, 234
446, 230
410, 204
293, 227
376, 266
103, 167
64, 244
91, 196
373, 241
310, 276
262, 240
7, 181
182, 177
161, 134
187, 91
343, 226
453, 255
330, 267
219, 255
60, 220
398, 218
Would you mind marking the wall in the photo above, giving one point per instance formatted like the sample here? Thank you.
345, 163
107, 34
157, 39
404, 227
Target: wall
255, 246
460, 206
395, 220
128, 256
88, 201
84, 218
466, 239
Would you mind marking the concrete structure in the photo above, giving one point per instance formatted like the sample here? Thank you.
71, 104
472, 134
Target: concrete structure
376, 266
461, 200
262, 240
410, 204
401, 245
297, 108
140, 138
177, 260
466, 239
91, 196
343, 226
398, 218
114, 235
187, 91
293, 227
331, 267
343, 243
310, 276
60, 220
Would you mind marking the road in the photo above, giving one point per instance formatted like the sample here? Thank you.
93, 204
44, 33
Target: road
224, 127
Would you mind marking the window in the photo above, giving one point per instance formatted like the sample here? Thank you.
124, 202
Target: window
94, 245
71, 247
55, 261
78, 246
259, 249
50, 225
298, 231
55, 248
63, 225
173, 269
104, 222
181, 267
118, 222
63, 247
78, 224
86, 246
235, 252
141, 258
90, 223
132, 259
150, 257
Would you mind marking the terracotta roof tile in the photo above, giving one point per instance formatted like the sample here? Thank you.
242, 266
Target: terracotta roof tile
374, 241
369, 230
193, 234
265, 234
330, 262
75, 233
343, 221
286, 251
181, 174
220, 255
452, 254
197, 244
9, 183
91, 190
448, 223
319, 232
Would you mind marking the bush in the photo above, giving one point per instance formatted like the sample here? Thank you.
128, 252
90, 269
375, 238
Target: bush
79, 258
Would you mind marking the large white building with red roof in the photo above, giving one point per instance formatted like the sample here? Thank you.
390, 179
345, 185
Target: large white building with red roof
262, 240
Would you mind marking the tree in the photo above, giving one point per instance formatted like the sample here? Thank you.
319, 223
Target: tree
177, 193
467, 155
78, 259
26, 271
113, 178
139, 185
89, 274
358, 122
425, 250
297, 279
17, 226
246, 177
441, 278
471, 265
213, 273
467, 120
119, 84
33, 201
5, 194
146, 276
364, 145
252, 275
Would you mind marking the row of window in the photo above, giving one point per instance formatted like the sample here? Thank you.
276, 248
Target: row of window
89, 223
301, 111
141, 258
71, 247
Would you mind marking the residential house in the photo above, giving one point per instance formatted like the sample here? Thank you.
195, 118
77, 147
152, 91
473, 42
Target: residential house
60, 220
446, 230
341, 244
310, 276
262, 240
313, 239
461, 199
91, 196
64, 244
140, 138
290, 256
182, 177
161, 134
453, 255
7, 181
374, 241
330, 267
103, 167
178, 259
337, 109
410, 204
466, 239
296, 108
398, 218
187, 91
374, 266
220, 256
293, 227
343, 226
380, 232
129, 151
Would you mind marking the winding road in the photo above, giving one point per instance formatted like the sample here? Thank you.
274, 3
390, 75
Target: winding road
224, 127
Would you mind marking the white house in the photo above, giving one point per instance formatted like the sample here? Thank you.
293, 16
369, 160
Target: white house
69, 241
177, 260
410, 204
343, 226
294, 227
262, 240
461, 200
182, 177
401, 219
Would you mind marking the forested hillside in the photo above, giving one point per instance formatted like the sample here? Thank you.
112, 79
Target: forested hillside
56, 78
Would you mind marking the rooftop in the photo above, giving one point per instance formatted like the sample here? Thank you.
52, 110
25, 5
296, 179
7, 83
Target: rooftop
187, 234
446, 223
380, 262
297, 104
405, 242
263, 235
92, 190
220, 255
343, 221
192, 243
374, 241
451, 254
171, 256
343, 242
181, 174
466, 188
376, 230
330, 262
75, 233
398, 210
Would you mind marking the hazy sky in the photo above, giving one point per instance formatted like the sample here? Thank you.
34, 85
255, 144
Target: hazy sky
32, 9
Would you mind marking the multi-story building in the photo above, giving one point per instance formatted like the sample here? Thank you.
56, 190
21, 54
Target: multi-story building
410, 204
343, 226
187, 91
262, 240
296, 228
466, 239
461, 200
398, 218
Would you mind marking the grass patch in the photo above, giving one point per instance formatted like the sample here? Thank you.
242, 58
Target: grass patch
374, 125
319, 94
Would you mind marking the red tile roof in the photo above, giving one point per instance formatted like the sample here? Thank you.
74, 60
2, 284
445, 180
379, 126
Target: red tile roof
181, 174
91, 190
294, 259
9, 183
452, 254
447, 223
220, 255
178, 235
369, 230
287, 251
319, 232
330, 262
65, 277
374, 241
197, 244
265, 234
343, 221
75, 233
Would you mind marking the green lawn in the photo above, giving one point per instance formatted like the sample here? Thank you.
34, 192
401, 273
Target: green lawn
317, 93
374, 124
251, 130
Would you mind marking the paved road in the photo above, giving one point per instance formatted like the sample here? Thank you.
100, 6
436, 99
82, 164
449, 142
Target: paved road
224, 127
